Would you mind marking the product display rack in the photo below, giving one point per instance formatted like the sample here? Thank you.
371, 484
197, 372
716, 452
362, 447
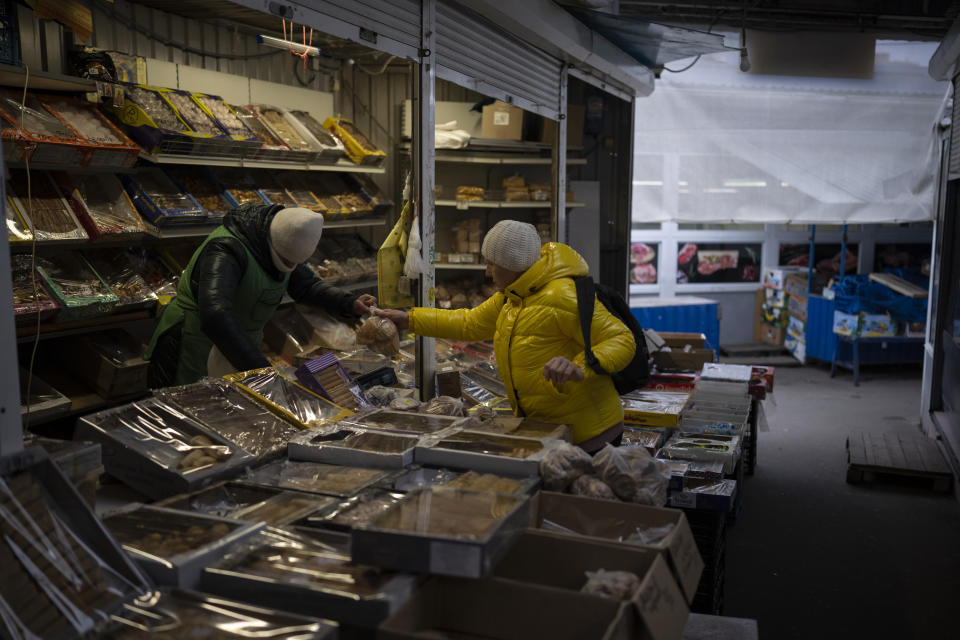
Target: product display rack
342, 166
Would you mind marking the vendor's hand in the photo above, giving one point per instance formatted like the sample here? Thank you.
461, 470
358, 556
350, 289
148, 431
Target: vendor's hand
560, 370
397, 317
361, 306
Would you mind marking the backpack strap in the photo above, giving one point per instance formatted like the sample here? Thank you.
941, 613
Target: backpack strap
586, 294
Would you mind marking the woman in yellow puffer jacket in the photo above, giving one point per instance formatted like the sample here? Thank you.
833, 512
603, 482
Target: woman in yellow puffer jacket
538, 342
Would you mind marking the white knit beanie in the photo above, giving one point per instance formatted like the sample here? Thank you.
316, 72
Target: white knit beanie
294, 234
512, 244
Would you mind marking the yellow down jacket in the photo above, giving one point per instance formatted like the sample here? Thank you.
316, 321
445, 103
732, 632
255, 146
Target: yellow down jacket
533, 321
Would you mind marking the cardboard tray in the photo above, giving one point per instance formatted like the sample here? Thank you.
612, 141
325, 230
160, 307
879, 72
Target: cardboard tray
609, 521
705, 495
182, 569
506, 610
127, 459
562, 562
58, 496
434, 453
152, 210
241, 501
441, 554
302, 447
228, 579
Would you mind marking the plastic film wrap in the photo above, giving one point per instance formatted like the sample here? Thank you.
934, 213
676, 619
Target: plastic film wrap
304, 406
316, 477
105, 206
130, 287
449, 512
46, 211
78, 289
633, 474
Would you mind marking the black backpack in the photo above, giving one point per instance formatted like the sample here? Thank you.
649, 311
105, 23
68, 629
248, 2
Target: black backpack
636, 374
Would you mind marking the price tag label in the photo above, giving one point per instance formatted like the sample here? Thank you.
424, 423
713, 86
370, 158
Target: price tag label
463, 205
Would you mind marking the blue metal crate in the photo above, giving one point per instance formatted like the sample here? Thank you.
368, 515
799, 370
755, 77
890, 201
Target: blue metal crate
682, 318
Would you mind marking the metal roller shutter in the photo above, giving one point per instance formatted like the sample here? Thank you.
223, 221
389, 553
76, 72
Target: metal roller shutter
954, 166
474, 53
398, 20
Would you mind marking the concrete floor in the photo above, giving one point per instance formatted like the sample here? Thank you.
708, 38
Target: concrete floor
813, 557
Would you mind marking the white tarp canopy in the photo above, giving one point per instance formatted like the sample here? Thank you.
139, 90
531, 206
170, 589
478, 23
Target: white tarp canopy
715, 145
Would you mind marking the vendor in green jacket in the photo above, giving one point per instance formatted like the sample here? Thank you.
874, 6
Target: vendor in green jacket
230, 288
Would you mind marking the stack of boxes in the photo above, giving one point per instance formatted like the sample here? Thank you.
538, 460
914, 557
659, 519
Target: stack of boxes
796, 341
775, 316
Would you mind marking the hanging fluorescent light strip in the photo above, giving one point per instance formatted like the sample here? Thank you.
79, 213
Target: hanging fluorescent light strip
744, 183
292, 47
715, 190
648, 183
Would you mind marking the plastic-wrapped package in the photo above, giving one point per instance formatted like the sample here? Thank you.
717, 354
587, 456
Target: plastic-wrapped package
360, 439
618, 585
250, 503
332, 148
228, 412
159, 200
382, 396
158, 275
358, 510
593, 487
358, 146
102, 204
224, 115
353, 446
474, 481
633, 474
380, 335
704, 447
86, 120
449, 512
293, 401
169, 615
563, 464
131, 289
489, 422
61, 574
37, 121
237, 185
77, 288
325, 375
403, 422
649, 535
417, 477
162, 114
405, 403
271, 143
283, 128
46, 211
316, 477
163, 533
27, 303
17, 229
443, 406
489, 444
204, 189
299, 191
190, 111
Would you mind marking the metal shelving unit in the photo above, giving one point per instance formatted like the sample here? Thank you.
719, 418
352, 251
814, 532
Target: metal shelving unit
342, 166
14, 76
496, 204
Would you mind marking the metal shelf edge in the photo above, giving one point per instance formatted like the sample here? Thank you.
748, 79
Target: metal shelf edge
342, 167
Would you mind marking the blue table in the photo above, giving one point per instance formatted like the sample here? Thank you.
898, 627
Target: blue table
855, 342
684, 314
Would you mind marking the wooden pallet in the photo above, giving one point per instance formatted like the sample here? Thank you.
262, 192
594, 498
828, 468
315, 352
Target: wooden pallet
899, 285
896, 454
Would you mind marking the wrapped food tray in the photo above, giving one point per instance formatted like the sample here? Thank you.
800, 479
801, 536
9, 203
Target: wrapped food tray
26, 306
244, 142
332, 149
132, 291
525, 428
202, 186
234, 416
185, 614
315, 477
45, 402
356, 511
271, 147
359, 148
484, 452
354, 447
510, 485
442, 531
38, 500
77, 288
173, 547
287, 398
160, 201
703, 447
150, 120
54, 140
102, 205
108, 146
303, 146
47, 213
215, 141
17, 229
291, 572
326, 376
403, 422
254, 503
238, 187
144, 442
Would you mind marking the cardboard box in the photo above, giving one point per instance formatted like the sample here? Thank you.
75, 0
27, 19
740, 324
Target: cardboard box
303, 447
777, 316
879, 325
611, 521
502, 121
798, 349
797, 307
576, 115
846, 324
705, 495
438, 455
771, 334
679, 360
776, 277
681, 340
111, 361
508, 610
916, 330
562, 562
404, 538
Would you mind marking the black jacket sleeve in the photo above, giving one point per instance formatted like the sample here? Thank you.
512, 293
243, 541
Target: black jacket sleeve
214, 281
306, 288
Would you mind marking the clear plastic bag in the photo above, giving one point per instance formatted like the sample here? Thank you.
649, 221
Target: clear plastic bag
306, 407
618, 585
316, 477
443, 406
564, 464
649, 535
379, 335
592, 487
633, 474
107, 203
329, 332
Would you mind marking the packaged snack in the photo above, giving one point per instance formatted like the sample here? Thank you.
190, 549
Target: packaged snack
380, 335
593, 487
358, 146
564, 464
283, 128
224, 115
192, 114
28, 303
633, 474
619, 585
159, 200
46, 211
101, 203
131, 289
77, 288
